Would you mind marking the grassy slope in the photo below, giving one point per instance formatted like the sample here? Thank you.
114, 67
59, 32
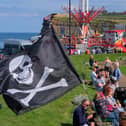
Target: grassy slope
123, 69
53, 114
115, 18
58, 112
84, 70
121, 19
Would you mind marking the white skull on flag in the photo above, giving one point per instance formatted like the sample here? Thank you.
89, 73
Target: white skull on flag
24, 64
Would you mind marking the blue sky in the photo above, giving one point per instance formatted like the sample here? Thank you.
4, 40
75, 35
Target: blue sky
27, 15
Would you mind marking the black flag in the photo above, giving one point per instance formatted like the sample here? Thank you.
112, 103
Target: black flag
43, 73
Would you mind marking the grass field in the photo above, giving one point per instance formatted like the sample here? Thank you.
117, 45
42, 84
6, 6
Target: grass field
58, 112
123, 69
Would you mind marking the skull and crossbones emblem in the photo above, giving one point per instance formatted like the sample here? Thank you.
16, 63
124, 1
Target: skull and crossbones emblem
26, 77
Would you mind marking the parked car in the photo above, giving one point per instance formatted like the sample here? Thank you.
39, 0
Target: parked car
13, 46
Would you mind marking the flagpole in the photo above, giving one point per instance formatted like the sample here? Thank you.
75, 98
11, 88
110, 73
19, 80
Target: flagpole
69, 27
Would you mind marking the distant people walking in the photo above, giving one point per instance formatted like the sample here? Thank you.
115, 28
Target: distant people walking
88, 51
100, 81
98, 51
93, 51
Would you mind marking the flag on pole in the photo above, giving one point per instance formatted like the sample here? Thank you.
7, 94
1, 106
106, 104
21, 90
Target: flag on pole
35, 77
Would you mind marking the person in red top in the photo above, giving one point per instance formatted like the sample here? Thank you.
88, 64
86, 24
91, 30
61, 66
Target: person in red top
88, 51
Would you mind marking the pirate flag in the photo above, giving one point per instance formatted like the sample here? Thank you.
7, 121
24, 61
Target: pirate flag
35, 77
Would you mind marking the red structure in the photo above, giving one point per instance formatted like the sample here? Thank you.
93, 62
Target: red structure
111, 38
84, 18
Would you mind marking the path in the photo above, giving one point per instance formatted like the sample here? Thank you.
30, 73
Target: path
122, 82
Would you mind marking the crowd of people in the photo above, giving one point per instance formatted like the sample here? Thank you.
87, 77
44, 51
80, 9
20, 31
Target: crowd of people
100, 50
105, 80
107, 75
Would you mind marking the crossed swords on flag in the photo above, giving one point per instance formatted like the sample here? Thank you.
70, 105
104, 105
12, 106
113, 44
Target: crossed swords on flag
38, 87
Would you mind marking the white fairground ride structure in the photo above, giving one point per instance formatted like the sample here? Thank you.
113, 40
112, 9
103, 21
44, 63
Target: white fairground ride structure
83, 17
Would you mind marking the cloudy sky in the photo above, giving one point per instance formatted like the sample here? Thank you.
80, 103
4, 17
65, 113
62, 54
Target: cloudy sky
27, 15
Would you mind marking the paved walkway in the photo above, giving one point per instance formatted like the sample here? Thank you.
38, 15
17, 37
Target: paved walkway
122, 82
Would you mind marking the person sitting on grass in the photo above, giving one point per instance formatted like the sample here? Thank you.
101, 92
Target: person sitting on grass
94, 76
114, 82
91, 60
95, 64
100, 81
109, 92
104, 109
79, 116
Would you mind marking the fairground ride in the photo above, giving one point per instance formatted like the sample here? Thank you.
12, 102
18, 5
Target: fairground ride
83, 16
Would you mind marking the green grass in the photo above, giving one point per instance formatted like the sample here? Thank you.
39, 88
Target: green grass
83, 69
53, 114
123, 69
121, 19
58, 112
